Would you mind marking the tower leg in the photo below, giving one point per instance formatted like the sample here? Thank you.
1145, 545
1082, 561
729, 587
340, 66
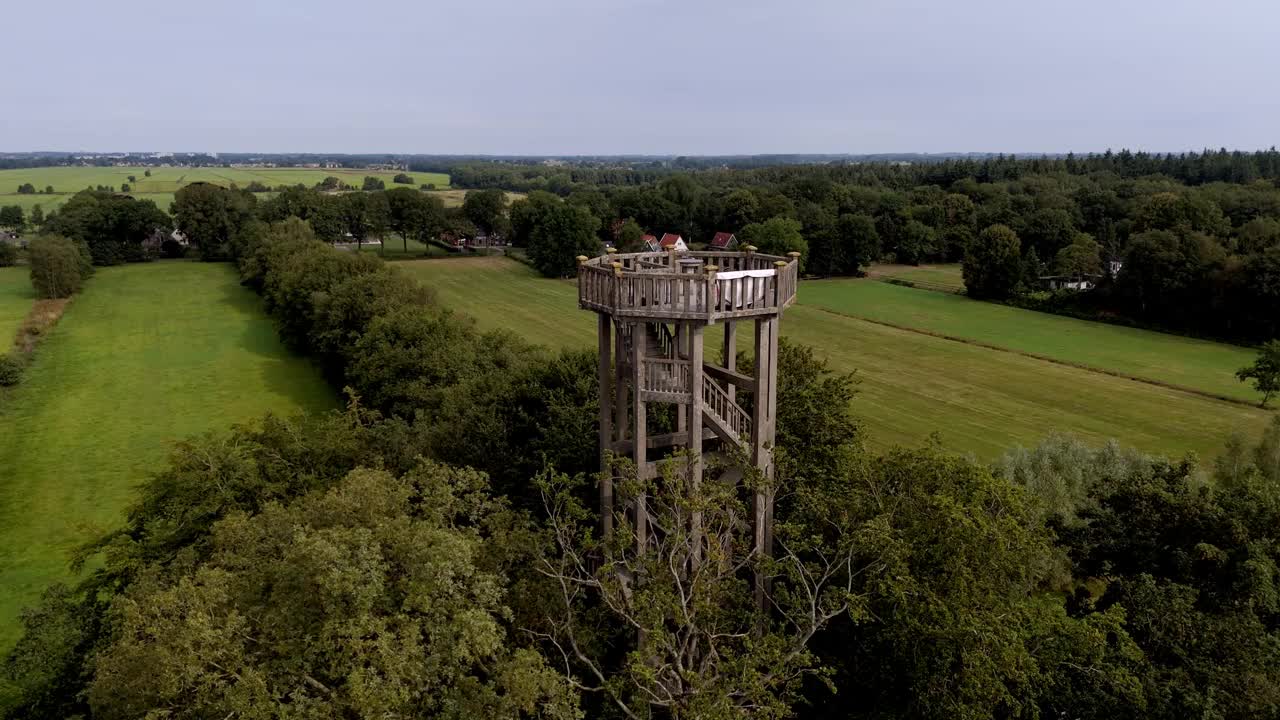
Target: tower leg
695, 333
604, 371
730, 355
640, 440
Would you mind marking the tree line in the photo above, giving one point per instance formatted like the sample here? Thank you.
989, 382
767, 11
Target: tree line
424, 553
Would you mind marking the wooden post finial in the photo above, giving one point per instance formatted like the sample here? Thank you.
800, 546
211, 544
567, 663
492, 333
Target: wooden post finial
794, 255
780, 263
748, 249
611, 250
582, 258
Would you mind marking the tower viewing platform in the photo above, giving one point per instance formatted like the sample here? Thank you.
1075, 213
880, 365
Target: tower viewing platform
689, 286
653, 310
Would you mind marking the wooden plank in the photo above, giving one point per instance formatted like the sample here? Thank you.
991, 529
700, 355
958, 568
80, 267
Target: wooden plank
733, 377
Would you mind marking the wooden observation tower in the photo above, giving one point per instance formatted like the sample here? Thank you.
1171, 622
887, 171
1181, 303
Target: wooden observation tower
654, 309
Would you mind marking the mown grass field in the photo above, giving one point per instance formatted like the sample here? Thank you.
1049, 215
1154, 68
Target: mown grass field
16, 297
164, 182
979, 400
1187, 362
945, 277
147, 355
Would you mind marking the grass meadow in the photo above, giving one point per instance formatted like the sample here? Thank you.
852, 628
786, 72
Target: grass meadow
943, 277
147, 355
16, 297
164, 182
979, 400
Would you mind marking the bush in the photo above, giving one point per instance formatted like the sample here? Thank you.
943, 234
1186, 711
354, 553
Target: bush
58, 266
10, 371
402, 179
8, 255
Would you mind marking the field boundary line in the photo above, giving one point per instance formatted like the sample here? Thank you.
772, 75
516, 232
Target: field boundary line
1045, 358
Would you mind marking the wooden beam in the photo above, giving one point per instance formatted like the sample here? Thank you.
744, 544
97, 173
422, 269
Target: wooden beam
695, 440
733, 377
729, 356
665, 440
640, 443
604, 370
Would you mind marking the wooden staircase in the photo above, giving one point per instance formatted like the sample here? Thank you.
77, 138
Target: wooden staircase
666, 372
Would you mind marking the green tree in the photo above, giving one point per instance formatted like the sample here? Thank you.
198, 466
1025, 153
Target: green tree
402, 179
386, 597
776, 236
11, 216
993, 264
26, 189
8, 254
37, 215
559, 235
413, 215
629, 236
48, 189
147, 172
133, 178
59, 266
859, 241
1264, 372
211, 216
373, 183
487, 209
364, 215
1082, 257
124, 188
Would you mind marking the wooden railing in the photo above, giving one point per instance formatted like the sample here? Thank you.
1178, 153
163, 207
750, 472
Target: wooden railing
645, 285
730, 414
666, 379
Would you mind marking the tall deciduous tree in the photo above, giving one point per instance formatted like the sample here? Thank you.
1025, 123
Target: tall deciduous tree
487, 209
560, 234
211, 216
993, 263
1265, 371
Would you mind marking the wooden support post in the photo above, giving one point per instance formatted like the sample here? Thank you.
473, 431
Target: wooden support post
759, 453
695, 435
682, 341
604, 369
639, 434
730, 354
621, 420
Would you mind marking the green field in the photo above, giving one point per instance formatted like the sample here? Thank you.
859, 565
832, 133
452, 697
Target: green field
1187, 362
165, 181
980, 400
147, 355
945, 278
16, 297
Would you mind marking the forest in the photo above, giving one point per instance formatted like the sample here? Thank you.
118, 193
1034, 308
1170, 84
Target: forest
426, 552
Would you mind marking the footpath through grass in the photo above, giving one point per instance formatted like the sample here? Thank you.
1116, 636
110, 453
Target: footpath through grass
147, 355
1199, 364
980, 400
16, 297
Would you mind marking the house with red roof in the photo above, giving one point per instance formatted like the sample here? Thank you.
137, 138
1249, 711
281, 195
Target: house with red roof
650, 243
671, 241
724, 241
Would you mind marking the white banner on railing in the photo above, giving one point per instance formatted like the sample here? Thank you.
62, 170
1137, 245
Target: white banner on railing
742, 294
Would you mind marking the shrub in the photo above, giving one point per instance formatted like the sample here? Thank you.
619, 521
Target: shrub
8, 255
10, 370
403, 179
172, 249
58, 266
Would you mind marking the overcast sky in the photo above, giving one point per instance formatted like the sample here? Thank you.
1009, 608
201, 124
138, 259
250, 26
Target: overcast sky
640, 76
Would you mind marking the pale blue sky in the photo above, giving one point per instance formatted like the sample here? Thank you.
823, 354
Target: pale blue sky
640, 76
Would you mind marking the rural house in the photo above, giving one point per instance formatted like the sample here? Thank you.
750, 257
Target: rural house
724, 241
1069, 282
671, 241
650, 243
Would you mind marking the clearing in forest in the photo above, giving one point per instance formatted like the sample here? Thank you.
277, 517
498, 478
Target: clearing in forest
147, 355
980, 400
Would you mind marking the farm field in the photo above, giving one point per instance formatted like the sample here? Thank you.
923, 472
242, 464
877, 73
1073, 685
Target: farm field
164, 182
980, 400
16, 297
1187, 362
945, 277
147, 355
